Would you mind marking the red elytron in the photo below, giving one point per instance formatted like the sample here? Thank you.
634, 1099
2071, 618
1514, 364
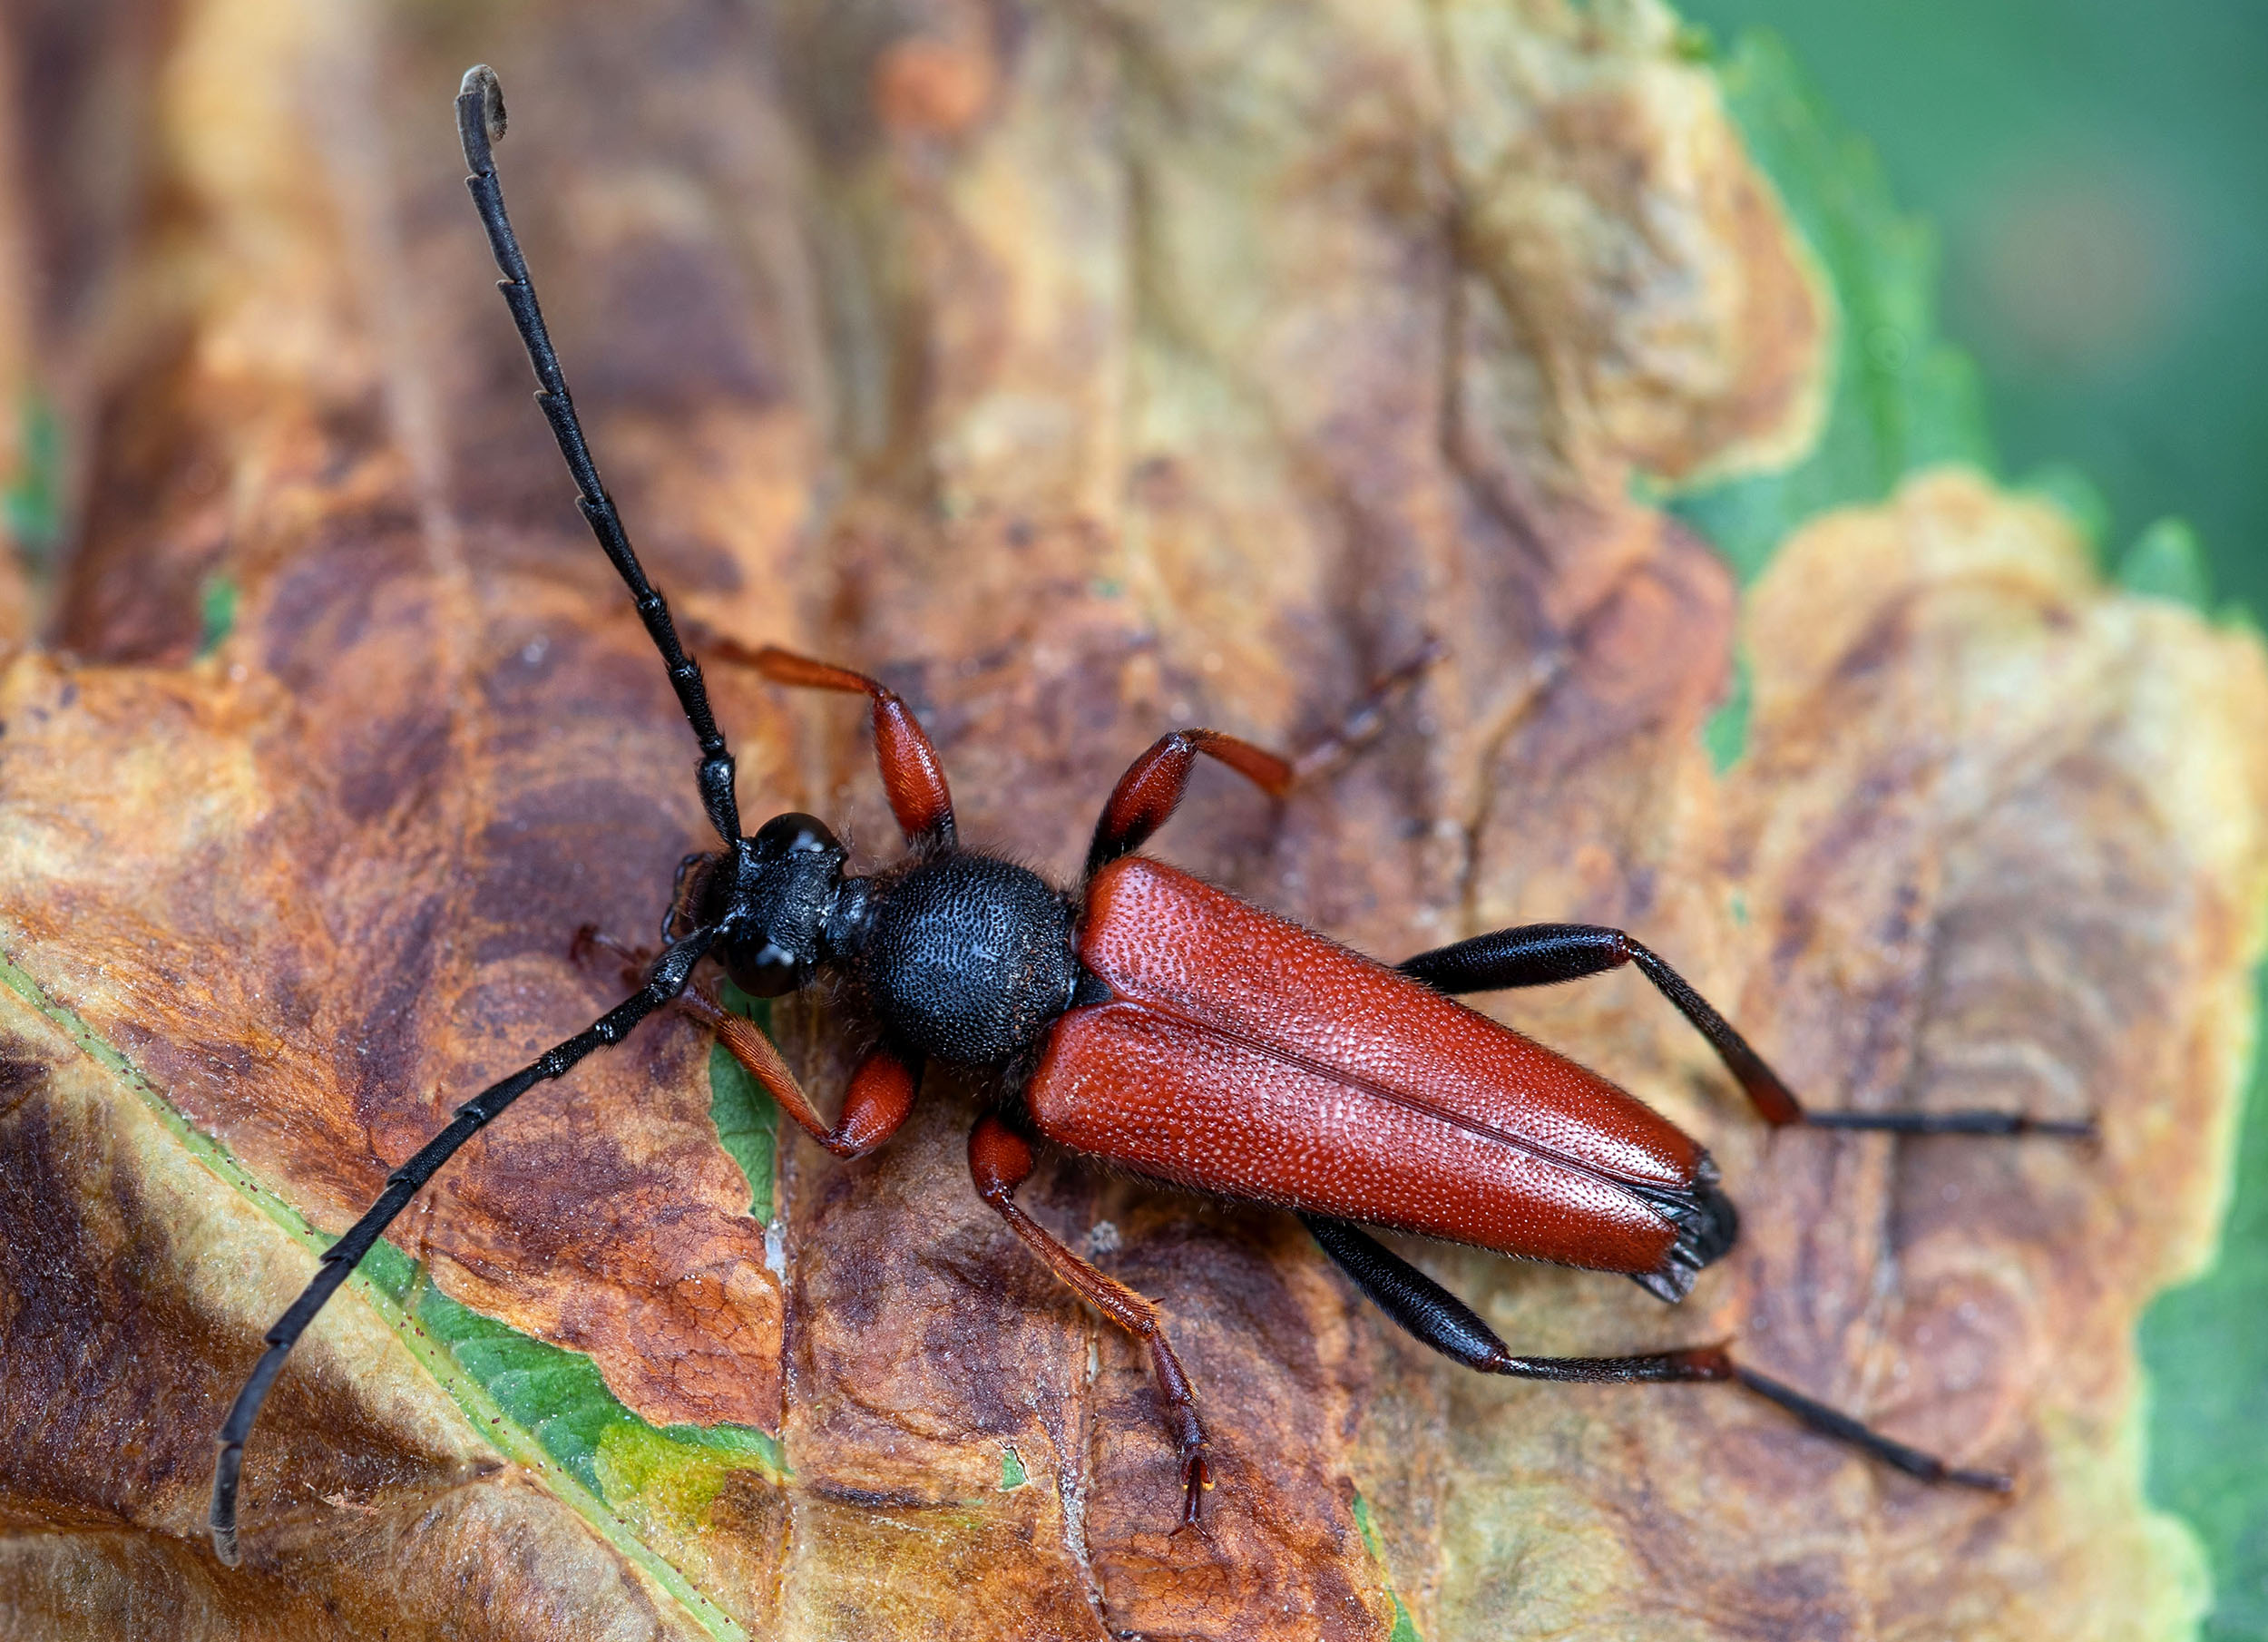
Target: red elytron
1243, 1054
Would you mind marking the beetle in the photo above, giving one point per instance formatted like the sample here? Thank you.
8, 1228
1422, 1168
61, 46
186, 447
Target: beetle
1147, 1019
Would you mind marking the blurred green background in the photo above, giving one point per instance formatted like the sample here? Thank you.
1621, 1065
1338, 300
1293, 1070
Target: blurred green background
2097, 175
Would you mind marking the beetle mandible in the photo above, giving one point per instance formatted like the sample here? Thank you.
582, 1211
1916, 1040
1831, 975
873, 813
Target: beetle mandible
1151, 1021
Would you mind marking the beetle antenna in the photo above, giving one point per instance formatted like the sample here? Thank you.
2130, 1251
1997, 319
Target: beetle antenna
664, 981
480, 122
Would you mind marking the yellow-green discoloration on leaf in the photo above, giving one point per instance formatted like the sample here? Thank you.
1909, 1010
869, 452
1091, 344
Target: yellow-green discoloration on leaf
1405, 1627
1013, 1474
748, 1122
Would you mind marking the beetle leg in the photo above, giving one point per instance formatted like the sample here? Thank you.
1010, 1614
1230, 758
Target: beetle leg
1000, 1160
590, 938
910, 773
1151, 788
1360, 725
1544, 955
874, 1106
680, 913
881, 1093
1440, 1320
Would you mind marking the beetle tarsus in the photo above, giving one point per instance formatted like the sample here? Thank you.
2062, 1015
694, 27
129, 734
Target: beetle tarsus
1843, 1428
1957, 1123
1000, 1160
1360, 725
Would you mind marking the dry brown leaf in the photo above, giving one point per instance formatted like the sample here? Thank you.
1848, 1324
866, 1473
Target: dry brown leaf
1084, 371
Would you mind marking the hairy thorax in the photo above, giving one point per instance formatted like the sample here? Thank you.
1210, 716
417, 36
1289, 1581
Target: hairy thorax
964, 957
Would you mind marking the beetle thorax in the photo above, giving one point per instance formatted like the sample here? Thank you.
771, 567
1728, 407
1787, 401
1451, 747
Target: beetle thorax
965, 958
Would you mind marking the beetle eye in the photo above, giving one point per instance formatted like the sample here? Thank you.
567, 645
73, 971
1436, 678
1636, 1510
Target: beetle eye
793, 834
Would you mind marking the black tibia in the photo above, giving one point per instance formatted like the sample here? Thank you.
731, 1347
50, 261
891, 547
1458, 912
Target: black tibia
1422, 1307
1430, 1314
480, 122
1544, 955
664, 981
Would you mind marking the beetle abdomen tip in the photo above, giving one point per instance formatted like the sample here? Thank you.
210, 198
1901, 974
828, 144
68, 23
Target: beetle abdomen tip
1708, 1225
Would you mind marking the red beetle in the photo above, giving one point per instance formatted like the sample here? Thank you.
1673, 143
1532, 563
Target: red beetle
1156, 1022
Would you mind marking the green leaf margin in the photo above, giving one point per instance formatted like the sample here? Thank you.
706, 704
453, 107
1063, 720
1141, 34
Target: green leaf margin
542, 1406
1405, 1627
2205, 1348
1903, 399
31, 496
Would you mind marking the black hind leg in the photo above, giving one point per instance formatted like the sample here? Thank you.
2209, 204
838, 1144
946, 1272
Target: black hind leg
1434, 1315
1544, 955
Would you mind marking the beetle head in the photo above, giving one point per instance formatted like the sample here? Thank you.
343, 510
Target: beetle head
773, 896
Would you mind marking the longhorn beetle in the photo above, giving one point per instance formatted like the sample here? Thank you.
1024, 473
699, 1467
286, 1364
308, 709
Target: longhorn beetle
1156, 1023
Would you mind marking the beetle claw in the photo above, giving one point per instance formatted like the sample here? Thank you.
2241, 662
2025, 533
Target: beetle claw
1196, 1476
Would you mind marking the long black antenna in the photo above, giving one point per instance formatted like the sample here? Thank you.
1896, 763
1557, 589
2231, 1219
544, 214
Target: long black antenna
480, 122
480, 118
664, 981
